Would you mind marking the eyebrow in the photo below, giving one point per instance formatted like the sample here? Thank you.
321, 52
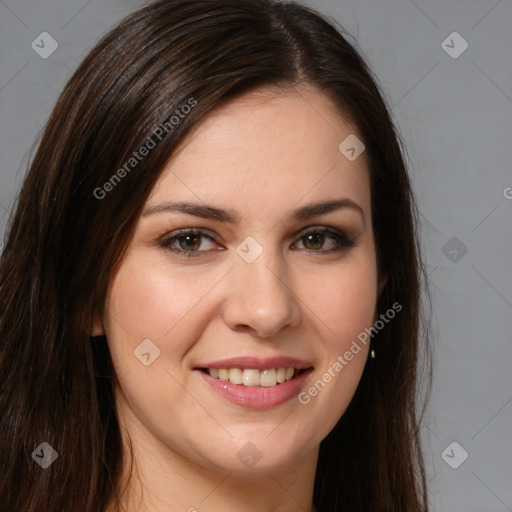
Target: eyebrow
230, 216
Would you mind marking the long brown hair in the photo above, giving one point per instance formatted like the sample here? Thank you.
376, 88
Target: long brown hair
64, 241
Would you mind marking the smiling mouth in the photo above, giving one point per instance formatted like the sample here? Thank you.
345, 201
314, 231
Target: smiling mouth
254, 378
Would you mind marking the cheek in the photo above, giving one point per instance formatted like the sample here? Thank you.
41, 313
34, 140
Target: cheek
170, 307
146, 301
344, 306
343, 302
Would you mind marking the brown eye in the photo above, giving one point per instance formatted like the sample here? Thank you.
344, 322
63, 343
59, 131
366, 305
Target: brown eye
191, 242
187, 243
314, 241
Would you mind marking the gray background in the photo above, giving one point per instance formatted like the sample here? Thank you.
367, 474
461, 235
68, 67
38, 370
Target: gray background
455, 115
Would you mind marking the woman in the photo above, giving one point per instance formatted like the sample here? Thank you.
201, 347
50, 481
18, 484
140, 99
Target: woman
210, 285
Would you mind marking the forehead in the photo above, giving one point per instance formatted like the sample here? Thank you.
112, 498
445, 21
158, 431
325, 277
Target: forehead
267, 148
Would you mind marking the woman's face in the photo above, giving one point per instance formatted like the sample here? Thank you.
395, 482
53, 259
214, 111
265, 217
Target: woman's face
269, 284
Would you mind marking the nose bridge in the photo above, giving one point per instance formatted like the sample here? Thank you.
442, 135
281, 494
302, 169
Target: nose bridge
259, 298
264, 277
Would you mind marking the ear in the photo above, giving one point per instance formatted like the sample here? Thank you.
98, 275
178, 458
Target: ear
383, 279
97, 325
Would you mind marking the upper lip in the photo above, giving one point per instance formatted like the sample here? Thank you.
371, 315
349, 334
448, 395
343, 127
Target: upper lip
257, 363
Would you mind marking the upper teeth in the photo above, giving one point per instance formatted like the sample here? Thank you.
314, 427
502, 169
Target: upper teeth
265, 378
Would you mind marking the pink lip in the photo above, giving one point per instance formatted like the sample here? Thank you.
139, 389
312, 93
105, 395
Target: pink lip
258, 397
256, 363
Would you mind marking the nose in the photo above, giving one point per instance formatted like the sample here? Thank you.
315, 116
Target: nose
260, 299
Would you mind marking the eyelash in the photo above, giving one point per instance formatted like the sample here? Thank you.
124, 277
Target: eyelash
343, 240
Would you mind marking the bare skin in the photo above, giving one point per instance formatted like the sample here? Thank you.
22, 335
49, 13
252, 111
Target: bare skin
262, 156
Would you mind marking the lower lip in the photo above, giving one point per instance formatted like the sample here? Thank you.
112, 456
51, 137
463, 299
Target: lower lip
253, 397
